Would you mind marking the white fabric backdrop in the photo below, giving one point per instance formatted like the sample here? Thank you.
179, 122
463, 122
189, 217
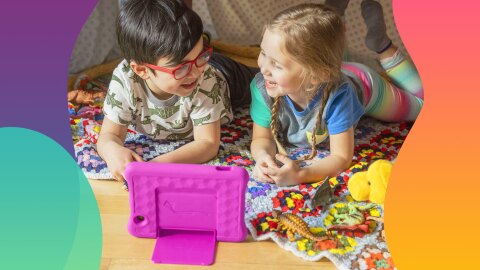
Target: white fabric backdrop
97, 42
238, 22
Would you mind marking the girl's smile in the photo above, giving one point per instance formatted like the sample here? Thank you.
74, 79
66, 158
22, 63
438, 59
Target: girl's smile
283, 76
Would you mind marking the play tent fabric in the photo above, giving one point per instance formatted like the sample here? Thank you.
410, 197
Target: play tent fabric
239, 22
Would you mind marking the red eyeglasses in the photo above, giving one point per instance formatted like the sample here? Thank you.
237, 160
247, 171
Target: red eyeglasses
182, 70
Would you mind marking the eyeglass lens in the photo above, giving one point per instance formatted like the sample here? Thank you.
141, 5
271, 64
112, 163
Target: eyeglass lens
185, 69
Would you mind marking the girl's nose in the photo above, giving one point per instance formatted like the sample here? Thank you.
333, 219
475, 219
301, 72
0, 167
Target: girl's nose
264, 69
261, 64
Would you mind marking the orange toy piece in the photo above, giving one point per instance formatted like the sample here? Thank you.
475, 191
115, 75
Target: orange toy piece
294, 224
85, 97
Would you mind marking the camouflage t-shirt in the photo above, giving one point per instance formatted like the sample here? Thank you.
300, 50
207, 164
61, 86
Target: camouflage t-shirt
130, 102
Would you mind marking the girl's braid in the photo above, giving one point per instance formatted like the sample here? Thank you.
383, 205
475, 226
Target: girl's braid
276, 125
323, 103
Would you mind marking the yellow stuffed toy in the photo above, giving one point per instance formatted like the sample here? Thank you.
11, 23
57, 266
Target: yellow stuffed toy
372, 184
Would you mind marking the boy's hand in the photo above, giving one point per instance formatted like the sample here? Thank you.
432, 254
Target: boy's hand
120, 157
289, 174
261, 168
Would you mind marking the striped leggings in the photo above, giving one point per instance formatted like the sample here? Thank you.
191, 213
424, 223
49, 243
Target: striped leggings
396, 98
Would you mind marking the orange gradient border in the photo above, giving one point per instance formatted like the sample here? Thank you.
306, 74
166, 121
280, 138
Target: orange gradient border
432, 204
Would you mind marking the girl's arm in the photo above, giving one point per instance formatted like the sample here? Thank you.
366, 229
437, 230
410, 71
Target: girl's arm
341, 152
203, 148
340, 158
263, 150
262, 142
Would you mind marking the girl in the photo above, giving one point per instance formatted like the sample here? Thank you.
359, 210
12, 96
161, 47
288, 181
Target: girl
304, 94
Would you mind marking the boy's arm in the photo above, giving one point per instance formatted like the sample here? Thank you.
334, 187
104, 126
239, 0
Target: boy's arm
110, 148
202, 149
110, 133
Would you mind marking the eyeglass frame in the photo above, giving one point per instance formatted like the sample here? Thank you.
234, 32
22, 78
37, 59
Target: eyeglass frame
189, 63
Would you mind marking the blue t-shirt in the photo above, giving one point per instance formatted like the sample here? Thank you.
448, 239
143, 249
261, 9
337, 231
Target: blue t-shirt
342, 111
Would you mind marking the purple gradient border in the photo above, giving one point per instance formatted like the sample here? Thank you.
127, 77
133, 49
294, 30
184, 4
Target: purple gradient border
37, 39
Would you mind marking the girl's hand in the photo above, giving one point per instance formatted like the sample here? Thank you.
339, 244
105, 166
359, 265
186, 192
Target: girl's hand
261, 167
118, 160
289, 174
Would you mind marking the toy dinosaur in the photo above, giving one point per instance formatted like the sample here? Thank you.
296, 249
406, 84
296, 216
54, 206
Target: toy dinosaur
352, 220
294, 224
324, 195
379, 219
352, 214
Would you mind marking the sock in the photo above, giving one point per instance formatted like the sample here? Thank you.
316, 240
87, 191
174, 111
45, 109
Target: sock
376, 39
338, 5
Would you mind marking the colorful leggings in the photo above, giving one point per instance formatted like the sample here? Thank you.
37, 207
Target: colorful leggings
396, 98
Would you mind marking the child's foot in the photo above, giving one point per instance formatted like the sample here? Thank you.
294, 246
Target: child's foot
376, 39
338, 5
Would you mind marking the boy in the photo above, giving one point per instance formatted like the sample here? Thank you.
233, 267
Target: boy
170, 86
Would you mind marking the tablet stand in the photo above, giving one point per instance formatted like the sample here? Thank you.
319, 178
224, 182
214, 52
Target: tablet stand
187, 208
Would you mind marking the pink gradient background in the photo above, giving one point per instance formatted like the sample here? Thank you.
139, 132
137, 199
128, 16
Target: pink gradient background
433, 199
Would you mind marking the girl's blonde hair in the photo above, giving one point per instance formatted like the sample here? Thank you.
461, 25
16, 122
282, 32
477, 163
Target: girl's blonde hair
313, 35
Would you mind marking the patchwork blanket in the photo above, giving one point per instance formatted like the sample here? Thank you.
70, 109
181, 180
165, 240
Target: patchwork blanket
361, 247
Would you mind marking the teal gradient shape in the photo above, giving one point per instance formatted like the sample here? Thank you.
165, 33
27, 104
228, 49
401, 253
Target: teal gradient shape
49, 215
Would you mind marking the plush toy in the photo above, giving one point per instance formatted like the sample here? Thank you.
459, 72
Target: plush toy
372, 184
85, 97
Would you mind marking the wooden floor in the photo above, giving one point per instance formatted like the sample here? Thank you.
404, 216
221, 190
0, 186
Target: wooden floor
121, 251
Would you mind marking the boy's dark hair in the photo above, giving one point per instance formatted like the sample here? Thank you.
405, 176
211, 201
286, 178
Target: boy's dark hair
148, 30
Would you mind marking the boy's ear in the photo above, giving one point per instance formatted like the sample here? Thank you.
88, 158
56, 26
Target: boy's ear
140, 70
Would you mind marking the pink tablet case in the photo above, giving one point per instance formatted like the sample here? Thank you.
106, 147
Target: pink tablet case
187, 208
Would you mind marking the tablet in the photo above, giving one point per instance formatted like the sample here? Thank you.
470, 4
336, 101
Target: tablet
187, 208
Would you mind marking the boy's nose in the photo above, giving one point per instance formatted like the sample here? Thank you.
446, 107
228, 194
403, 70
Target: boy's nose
196, 71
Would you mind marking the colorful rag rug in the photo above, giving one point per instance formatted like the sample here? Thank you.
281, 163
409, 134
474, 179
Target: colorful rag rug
362, 248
